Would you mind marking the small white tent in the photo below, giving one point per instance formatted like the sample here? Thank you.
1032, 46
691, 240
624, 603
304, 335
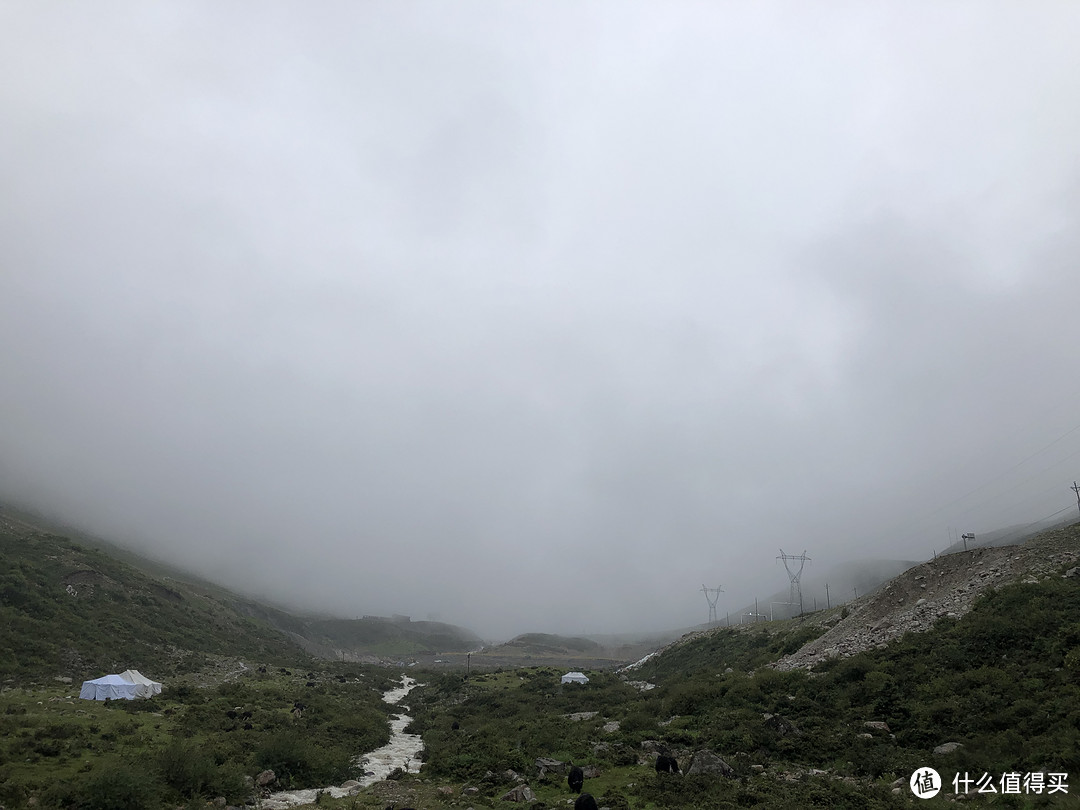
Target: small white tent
145, 687
108, 686
574, 677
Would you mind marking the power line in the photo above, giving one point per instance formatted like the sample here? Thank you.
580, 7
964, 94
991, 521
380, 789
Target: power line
1001, 475
1023, 529
925, 521
1016, 484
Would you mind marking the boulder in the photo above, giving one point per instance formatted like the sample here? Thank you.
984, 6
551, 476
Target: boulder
544, 766
947, 748
782, 726
706, 761
522, 793
265, 778
877, 725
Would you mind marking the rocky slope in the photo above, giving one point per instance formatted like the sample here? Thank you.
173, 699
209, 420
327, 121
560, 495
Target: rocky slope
944, 587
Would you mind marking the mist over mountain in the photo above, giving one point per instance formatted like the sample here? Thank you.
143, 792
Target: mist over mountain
537, 319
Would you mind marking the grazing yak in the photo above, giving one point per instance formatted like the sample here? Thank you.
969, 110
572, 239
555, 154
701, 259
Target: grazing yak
666, 764
576, 778
585, 802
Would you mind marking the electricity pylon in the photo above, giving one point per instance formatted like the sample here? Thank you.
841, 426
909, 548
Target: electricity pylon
796, 587
712, 601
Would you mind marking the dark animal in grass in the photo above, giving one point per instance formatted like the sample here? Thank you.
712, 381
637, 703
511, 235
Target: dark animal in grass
576, 778
666, 764
585, 802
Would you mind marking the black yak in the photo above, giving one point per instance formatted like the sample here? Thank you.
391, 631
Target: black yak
576, 778
585, 802
666, 764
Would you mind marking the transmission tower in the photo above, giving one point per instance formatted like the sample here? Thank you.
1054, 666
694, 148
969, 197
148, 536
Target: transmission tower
712, 600
796, 588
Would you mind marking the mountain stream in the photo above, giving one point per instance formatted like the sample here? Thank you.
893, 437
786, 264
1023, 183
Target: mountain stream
403, 751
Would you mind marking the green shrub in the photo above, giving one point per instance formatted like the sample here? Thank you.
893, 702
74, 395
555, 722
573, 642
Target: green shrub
294, 760
186, 768
117, 787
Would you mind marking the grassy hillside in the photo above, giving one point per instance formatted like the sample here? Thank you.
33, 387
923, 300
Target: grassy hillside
71, 611
1003, 681
193, 743
390, 638
78, 607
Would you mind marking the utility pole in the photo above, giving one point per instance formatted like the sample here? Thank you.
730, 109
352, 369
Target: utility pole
1076, 489
712, 601
968, 536
796, 588
828, 601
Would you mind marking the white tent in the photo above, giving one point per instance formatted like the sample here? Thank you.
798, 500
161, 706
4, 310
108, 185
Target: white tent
574, 677
108, 686
145, 687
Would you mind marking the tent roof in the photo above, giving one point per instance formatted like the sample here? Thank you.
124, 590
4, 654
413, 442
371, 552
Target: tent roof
134, 676
114, 680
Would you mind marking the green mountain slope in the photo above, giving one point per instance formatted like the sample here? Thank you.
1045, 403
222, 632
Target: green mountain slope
68, 610
82, 607
994, 689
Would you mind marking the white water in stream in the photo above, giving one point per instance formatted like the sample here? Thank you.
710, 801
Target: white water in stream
403, 751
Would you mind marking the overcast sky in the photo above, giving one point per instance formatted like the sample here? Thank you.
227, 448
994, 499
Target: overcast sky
538, 316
